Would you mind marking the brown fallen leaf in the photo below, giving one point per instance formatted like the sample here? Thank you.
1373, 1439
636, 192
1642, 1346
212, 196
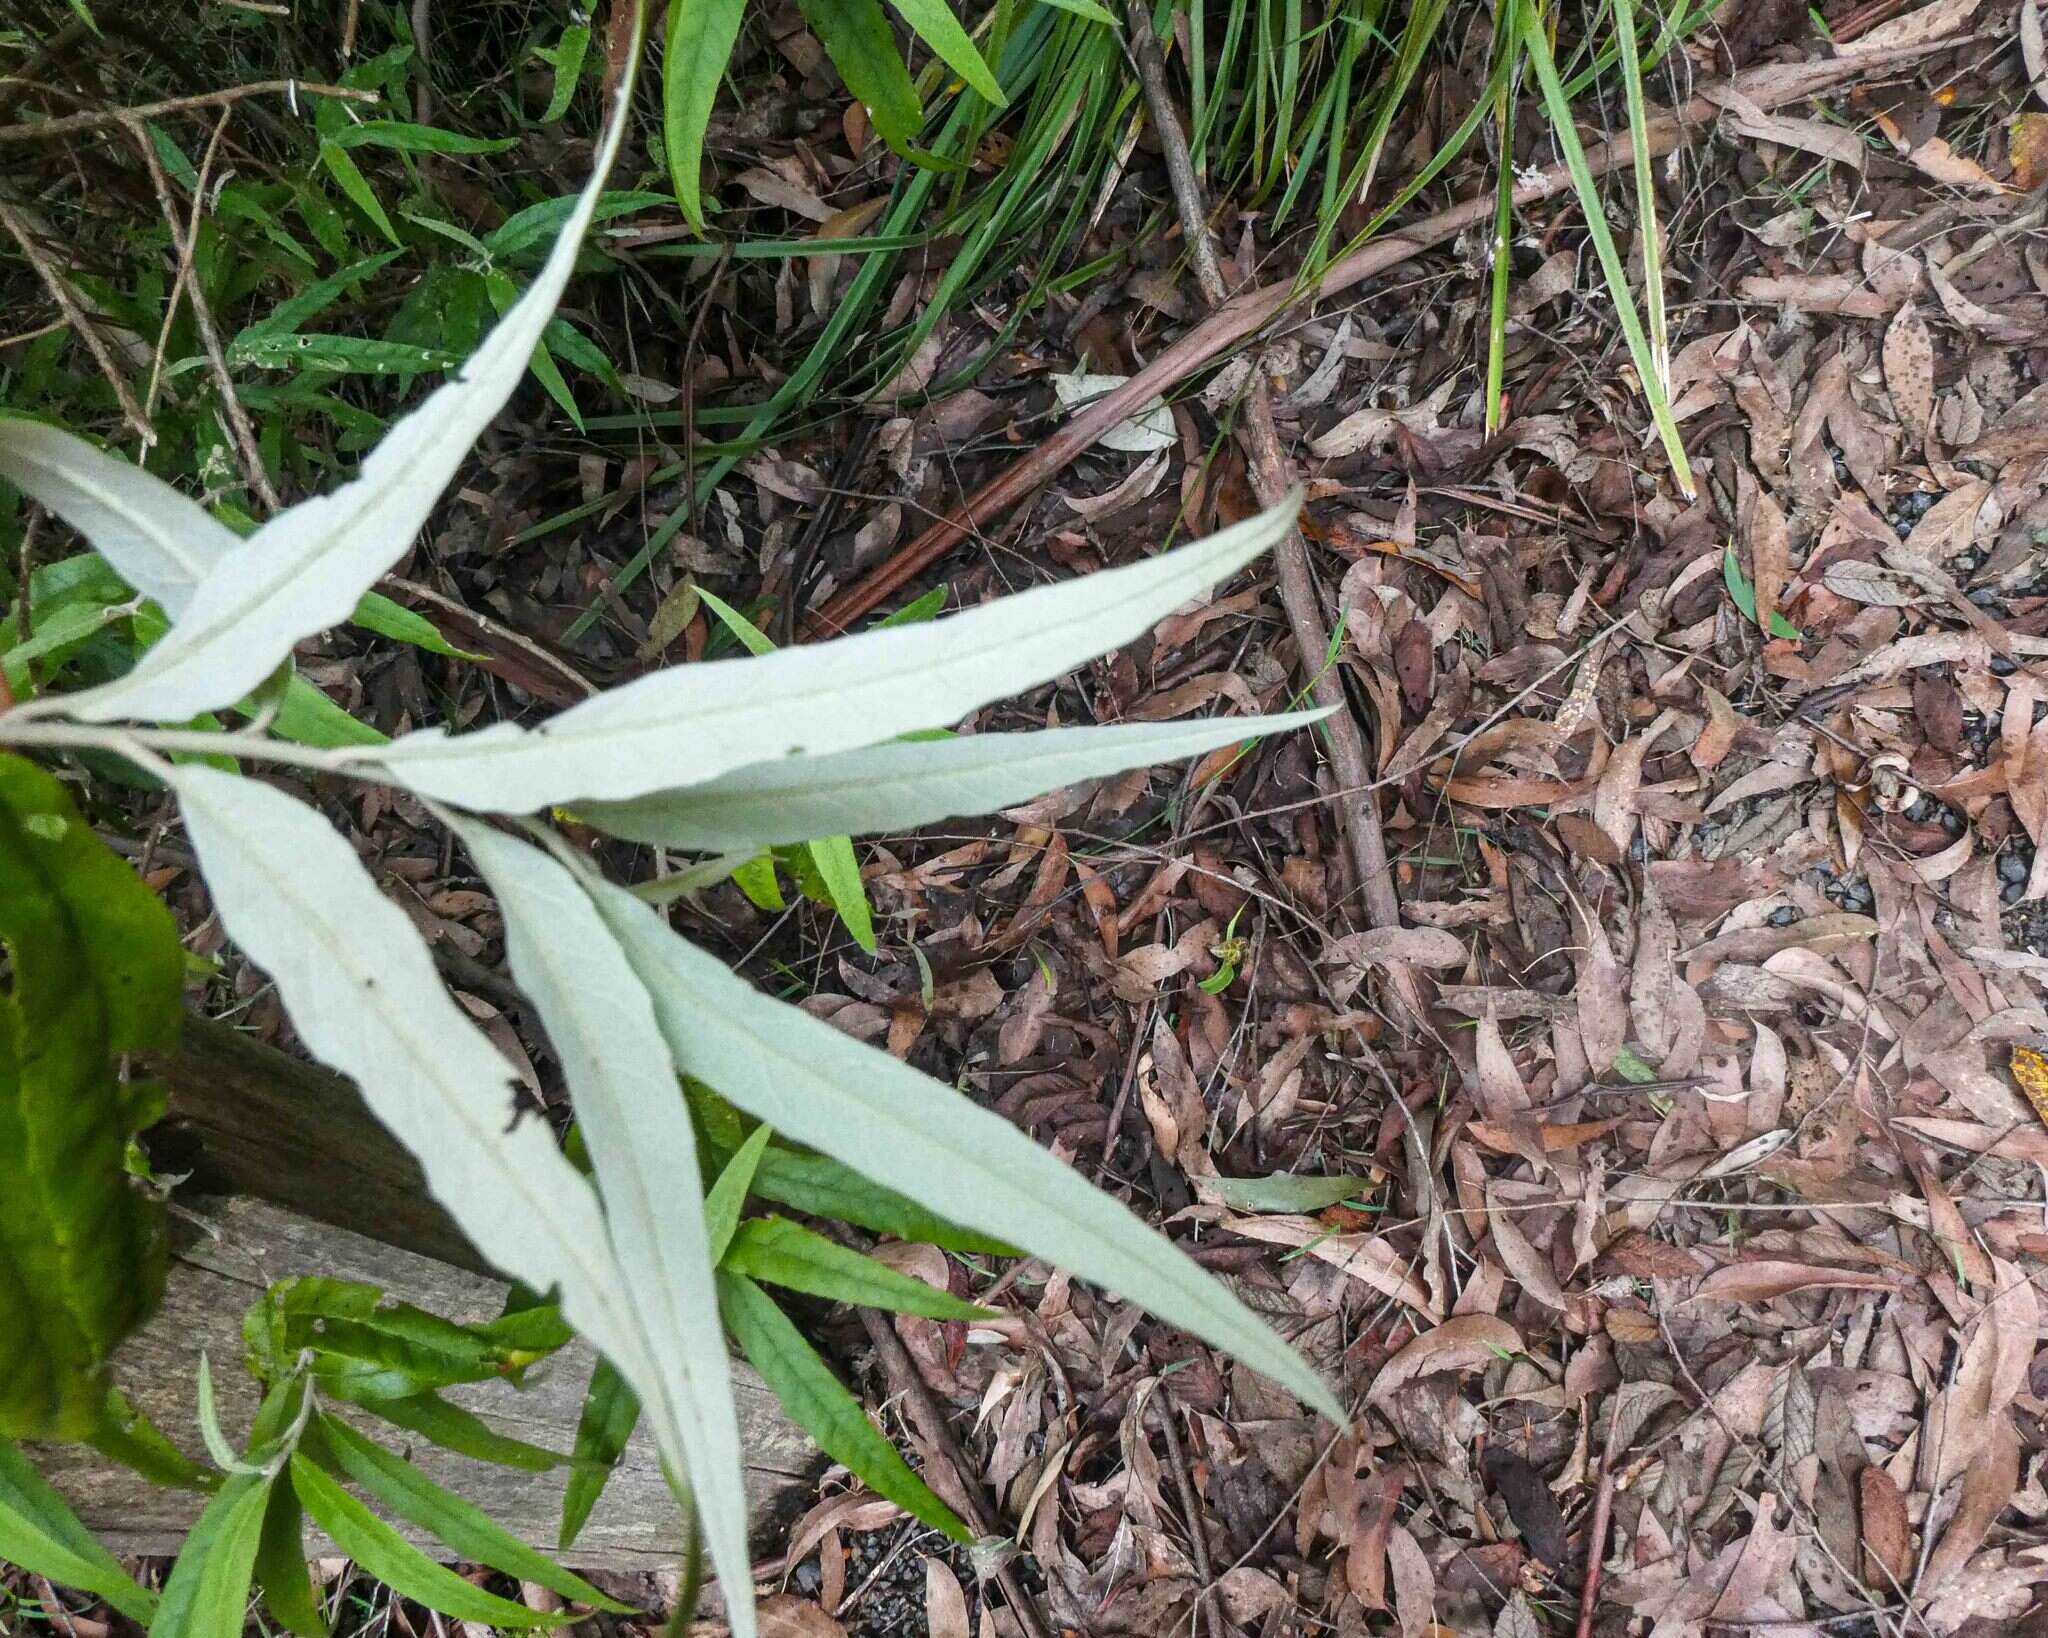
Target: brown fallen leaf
1909, 371
1768, 1278
1887, 1536
787, 1616
945, 1605
1463, 1343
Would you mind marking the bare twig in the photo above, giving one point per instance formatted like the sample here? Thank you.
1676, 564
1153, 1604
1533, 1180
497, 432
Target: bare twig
94, 119
185, 239
1272, 476
1596, 1529
930, 1416
186, 250
1246, 314
1198, 1546
60, 289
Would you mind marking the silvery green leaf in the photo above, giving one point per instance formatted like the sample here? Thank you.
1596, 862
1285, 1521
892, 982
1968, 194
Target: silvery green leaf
633, 1119
693, 722
888, 1122
361, 990
306, 568
899, 786
159, 541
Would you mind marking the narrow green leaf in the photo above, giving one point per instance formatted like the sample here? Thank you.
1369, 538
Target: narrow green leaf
280, 1566
699, 41
928, 607
465, 1528
208, 1593
611, 1410
839, 870
344, 355
1284, 1191
41, 1534
856, 36
352, 182
933, 22
821, 1405
752, 638
822, 1186
567, 61
384, 1555
402, 136
728, 1196
308, 717
453, 1428
378, 613
780, 1252
1744, 595
1558, 104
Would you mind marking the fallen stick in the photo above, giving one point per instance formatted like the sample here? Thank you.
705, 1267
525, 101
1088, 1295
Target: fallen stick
1272, 477
1245, 315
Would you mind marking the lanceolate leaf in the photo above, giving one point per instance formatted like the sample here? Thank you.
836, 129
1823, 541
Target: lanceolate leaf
161, 542
208, 1593
857, 37
820, 1403
693, 58
466, 1529
899, 786
362, 991
42, 1535
783, 1253
96, 971
934, 23
306, 568
611, 1410
382, 1553
280, 1566
904, 1129
694, 722
633, 1120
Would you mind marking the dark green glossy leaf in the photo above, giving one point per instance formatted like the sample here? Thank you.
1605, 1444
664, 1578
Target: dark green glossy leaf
41, 1534
857, 37
281, 1566
787, 1254
820, 1403
386, 1556
414, 1497
96, 971
611, 1410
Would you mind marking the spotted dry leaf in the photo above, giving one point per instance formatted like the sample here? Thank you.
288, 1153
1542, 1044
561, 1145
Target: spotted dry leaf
1909, 371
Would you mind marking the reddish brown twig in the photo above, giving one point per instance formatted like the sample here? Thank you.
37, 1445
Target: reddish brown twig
1596, 1530
1245, 315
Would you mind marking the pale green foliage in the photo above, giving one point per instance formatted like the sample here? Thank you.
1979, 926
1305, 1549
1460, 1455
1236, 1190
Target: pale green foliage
628, 1003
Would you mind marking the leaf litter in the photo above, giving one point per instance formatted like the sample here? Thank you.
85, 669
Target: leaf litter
1684, 1254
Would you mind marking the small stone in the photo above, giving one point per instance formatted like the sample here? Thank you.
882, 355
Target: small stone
2012, 868
1784, 916
2011, 891
2002, 667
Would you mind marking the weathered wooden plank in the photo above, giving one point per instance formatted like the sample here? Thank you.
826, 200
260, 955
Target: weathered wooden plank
290, 1174
235, 1247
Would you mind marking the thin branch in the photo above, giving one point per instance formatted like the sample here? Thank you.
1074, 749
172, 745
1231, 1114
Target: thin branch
1272, 475
187, 239
37, 130
54, 281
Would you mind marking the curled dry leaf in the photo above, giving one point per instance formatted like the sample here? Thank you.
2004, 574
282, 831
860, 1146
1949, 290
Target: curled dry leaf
1465, 1342
1767, 1278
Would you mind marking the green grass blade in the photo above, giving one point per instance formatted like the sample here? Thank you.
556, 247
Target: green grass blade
1559, 108
821, 1405
701, 34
